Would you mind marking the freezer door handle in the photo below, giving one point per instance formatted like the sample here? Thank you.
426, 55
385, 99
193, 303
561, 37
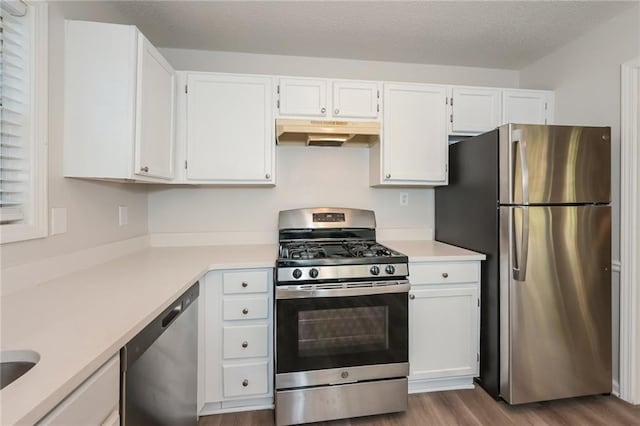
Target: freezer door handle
518, 140
521, 250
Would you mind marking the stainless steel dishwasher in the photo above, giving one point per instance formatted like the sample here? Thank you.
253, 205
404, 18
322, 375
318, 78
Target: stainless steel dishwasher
159, 368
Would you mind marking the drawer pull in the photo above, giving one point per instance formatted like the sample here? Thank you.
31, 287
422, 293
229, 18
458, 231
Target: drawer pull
245, 311
412, 296
245, 383
245, 284
245, 344
445, 275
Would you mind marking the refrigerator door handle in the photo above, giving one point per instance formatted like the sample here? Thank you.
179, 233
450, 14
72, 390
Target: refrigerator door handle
521, 254
517, 137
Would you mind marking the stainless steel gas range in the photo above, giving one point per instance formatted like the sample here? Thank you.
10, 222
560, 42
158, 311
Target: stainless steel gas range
341, 318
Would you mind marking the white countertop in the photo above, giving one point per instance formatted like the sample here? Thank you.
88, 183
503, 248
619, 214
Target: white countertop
79, 321
430, 250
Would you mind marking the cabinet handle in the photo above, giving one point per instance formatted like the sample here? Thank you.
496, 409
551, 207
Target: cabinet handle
323, 110
245, 311
245, 383
144, 169
388, 176
267, 176
245, 344
412, 296
245, 284
336, 111
445, 275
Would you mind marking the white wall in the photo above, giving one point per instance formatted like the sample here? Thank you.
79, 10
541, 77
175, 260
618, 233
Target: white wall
201, 60
91, 206
585, 75
306, 176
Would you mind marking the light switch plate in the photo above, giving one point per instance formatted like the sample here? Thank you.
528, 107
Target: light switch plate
58, 220
123, 215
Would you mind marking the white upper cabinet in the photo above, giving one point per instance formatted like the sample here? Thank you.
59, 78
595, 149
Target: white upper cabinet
302, 97
474, 110
527, 106
119, 104
331, 99
229, 129
413, 150
155, 112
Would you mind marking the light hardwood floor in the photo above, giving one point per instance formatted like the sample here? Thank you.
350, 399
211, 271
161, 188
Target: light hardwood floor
471, 407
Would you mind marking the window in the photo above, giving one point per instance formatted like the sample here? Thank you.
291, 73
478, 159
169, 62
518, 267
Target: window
23, 120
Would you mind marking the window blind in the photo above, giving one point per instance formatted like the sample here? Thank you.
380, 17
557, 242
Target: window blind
14, 115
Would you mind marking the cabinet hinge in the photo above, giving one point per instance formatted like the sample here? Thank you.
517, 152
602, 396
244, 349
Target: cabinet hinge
477, 357
378, 108
451, 118
186, 89
378, 94
278, 103
478, 301
185, 164
451, 103
278, 90
545, 106
446, 100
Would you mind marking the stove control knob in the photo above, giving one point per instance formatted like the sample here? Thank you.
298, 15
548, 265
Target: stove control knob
313, 273
374, 270
390, 269
297, 273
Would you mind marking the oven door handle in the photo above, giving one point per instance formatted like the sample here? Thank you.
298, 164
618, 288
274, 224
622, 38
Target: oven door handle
298, 293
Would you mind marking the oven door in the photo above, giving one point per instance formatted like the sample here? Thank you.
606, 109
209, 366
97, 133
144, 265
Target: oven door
342, 335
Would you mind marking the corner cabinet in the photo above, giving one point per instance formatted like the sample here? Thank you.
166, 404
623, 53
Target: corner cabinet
413, 149
229, 129
527, 106
119, 104
444, 325
236, 341
330, 99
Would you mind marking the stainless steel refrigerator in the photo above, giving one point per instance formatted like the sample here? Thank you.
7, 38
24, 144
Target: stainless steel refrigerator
536, 200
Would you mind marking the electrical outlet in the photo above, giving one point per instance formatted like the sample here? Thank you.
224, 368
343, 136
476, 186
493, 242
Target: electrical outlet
404, 198
123, 215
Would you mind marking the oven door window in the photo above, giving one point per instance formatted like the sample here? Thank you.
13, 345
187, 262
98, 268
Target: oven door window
334, 332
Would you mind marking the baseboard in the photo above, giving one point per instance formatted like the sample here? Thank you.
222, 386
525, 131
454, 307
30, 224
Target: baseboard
437, 385
21, 277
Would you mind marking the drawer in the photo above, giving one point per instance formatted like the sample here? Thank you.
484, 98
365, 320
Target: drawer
245, 379
245, 282
245, 341
236, 308
443, 272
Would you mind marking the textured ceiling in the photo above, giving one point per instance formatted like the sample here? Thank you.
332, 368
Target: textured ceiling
491, 34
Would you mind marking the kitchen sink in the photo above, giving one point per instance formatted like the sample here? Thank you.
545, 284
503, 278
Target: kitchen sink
14, 364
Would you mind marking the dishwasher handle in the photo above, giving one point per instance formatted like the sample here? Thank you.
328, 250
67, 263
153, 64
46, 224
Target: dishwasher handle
143, 340
172, 315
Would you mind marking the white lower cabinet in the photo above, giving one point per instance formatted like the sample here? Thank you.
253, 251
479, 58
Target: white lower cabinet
236, 341
94, 402
444, 320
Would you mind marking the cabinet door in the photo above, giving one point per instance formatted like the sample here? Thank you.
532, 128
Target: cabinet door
155, 109
230, 135
355, 99
303, 97
94, 402
443, 331
474, 110
526, 107
414, 134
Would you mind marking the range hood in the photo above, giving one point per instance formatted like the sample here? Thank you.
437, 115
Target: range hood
326, 133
